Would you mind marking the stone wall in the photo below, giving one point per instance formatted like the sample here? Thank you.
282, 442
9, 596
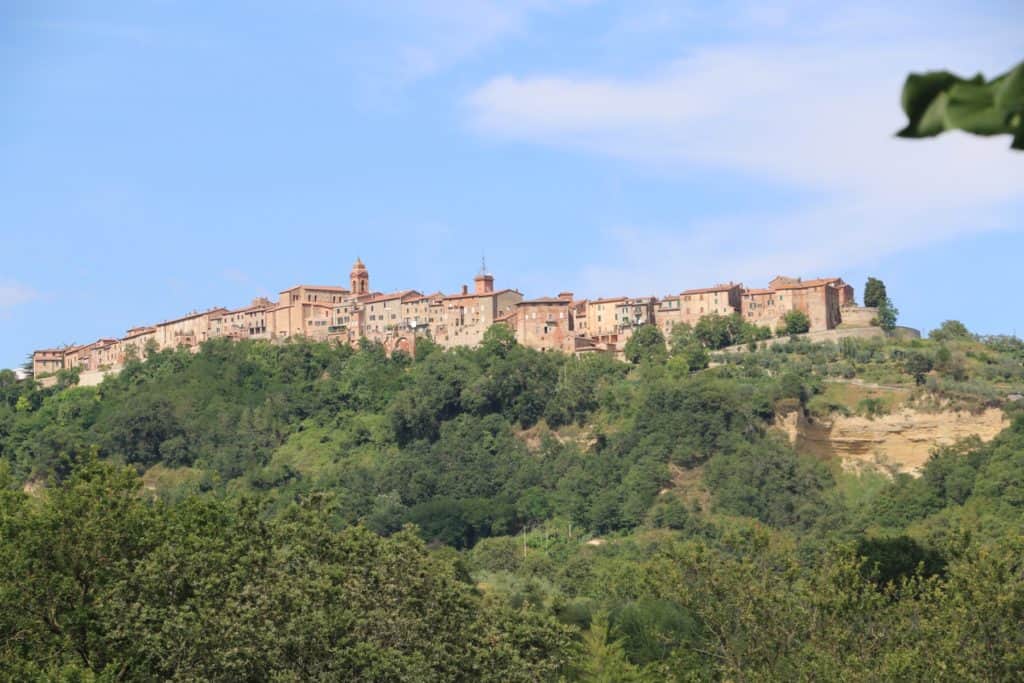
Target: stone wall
857, 316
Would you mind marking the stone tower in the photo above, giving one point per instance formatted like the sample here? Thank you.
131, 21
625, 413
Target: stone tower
360, 278
484, 281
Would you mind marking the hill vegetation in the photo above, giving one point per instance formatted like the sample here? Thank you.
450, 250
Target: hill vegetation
308, 511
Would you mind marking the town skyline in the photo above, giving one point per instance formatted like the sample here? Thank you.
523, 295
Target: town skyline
398, 319
159, 154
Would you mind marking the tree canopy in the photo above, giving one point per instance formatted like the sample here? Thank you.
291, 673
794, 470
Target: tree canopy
874, 292
306, 511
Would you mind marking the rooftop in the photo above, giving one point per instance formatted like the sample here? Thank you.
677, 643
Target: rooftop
818, 282
474, 295
393, 295
544, 301
319, 288
724, 287
194, 314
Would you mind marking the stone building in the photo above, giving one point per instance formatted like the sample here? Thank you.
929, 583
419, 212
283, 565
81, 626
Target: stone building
579, 316
668, 314
47, 361
421, 311
135, 342
249, 322
383, 312
723, 299
98, 355
765, 307
462, 319
189, 331
601, 324
820, 299
545, 324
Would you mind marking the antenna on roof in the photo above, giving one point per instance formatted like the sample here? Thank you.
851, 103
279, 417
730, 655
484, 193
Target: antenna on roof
483, 263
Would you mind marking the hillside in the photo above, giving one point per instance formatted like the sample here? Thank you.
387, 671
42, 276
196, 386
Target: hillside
804, 510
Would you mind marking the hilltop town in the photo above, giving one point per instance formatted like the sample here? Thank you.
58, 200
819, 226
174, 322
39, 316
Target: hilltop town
397, 319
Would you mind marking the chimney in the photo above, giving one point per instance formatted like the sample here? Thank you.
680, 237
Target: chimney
465, 289
565, 295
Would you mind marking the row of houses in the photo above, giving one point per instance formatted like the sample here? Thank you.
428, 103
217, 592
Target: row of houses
398, 319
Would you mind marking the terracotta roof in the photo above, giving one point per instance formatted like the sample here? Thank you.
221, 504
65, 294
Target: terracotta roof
705, 290
810, 283
607, 300
393, 295
543, 300
211, 312
244, 309
474, 295
759, 291
138, 332
322, 288
436, 297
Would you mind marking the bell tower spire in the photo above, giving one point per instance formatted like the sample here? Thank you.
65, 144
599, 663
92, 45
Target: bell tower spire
484, 281
359, 278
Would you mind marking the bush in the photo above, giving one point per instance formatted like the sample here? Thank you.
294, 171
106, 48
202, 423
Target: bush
796, 322
872, 407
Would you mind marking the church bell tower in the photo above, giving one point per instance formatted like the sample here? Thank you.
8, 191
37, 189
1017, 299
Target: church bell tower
359, 278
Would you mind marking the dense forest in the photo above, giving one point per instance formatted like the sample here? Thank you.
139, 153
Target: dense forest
306, 511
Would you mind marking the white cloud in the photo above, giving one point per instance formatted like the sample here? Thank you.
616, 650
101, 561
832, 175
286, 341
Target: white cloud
817, 116
14, 294
429, 36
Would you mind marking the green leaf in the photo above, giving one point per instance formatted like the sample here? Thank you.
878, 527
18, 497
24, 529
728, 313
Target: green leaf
938, 101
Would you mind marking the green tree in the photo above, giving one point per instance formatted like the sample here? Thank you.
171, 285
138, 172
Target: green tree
680, 336
717, 331
874, 292
917, 365
604, 659
887, 315
498, 340
647, 344
795, 322
950, 330
687, 352
97, 582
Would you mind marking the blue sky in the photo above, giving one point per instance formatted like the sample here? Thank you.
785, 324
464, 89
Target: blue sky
159, 156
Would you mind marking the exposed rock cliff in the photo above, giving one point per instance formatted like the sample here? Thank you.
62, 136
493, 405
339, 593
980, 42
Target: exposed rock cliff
900, 442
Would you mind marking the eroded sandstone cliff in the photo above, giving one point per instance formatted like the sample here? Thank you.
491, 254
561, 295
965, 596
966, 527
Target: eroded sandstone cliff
900, 442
